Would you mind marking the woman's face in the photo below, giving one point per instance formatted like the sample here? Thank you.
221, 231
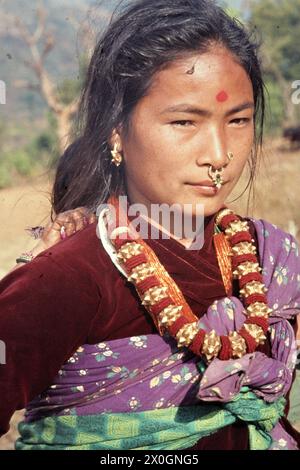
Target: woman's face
196, 111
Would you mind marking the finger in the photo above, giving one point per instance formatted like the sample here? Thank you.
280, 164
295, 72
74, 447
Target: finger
80, 220
66, 224
92, 218
84, 210
63, 234
51, 234
79, 223
61, 220
58, 230
88, 216
70, 227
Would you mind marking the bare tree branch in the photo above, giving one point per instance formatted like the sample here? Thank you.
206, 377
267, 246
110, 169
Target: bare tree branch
41, 24
40, 43
26, 84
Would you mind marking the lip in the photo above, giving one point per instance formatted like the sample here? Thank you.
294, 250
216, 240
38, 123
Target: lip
205, 188
203, 183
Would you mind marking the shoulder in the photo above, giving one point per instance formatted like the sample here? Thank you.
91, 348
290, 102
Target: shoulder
271, 237
266, 229
76, 263
82, 252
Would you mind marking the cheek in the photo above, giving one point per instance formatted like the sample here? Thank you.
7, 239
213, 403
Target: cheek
144, 164
150, 157
241, 149
141, 146
237, 170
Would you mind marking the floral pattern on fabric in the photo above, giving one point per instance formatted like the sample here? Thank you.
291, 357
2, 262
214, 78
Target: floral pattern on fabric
149, 372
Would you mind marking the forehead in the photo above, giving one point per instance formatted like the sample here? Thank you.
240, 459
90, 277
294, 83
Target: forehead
202, 78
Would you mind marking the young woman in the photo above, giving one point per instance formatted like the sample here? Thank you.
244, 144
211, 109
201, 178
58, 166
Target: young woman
118, 341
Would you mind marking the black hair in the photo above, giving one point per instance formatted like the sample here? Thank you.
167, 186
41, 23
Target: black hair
143, 38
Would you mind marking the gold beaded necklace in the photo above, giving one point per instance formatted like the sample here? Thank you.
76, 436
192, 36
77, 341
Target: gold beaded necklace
162, 298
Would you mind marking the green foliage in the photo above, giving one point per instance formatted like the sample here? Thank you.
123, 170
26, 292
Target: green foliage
2, 132
26, 161
21, 162
14, 163
274, 108
43, 148
69, 89
5, 173
278, 22
236, 8
233, 12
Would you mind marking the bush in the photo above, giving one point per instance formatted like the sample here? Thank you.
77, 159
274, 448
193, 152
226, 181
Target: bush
43, 149
22, 162
275, 108
14, 163
5, 174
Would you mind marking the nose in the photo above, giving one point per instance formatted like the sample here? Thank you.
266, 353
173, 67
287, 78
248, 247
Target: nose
215, 152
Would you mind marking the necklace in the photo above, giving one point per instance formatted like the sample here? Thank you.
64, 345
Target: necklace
162, 298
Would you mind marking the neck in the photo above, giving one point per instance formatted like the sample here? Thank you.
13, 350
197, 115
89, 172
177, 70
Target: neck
170, 232
173, 223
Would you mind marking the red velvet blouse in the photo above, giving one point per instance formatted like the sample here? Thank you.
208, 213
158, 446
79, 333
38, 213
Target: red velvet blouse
72, 294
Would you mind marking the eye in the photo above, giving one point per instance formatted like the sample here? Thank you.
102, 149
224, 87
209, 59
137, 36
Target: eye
182, 123
240, 121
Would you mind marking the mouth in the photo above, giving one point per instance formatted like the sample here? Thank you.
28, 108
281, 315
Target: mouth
206, 183
205, 187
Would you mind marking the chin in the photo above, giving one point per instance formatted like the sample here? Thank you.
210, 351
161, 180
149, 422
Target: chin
211, 209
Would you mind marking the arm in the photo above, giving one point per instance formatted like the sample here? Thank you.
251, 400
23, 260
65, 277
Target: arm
46, 309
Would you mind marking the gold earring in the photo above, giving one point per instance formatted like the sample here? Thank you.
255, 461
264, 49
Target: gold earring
116, 156
230, 156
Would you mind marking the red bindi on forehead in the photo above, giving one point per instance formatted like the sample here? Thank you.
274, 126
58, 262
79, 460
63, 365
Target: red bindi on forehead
222, 96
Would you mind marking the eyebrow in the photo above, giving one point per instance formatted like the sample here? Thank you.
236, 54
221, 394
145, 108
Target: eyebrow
186, 108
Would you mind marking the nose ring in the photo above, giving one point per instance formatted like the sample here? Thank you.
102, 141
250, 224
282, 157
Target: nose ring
216, 174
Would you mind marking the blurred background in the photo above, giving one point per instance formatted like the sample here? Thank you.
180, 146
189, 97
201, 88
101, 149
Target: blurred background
45, 47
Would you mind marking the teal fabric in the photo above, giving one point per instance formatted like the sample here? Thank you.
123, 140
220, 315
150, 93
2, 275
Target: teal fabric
169, 428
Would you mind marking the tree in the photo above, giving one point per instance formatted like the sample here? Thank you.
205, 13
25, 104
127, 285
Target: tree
40, 43
278, 24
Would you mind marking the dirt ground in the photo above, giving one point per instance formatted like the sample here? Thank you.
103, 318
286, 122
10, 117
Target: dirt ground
278, 201
21, 207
